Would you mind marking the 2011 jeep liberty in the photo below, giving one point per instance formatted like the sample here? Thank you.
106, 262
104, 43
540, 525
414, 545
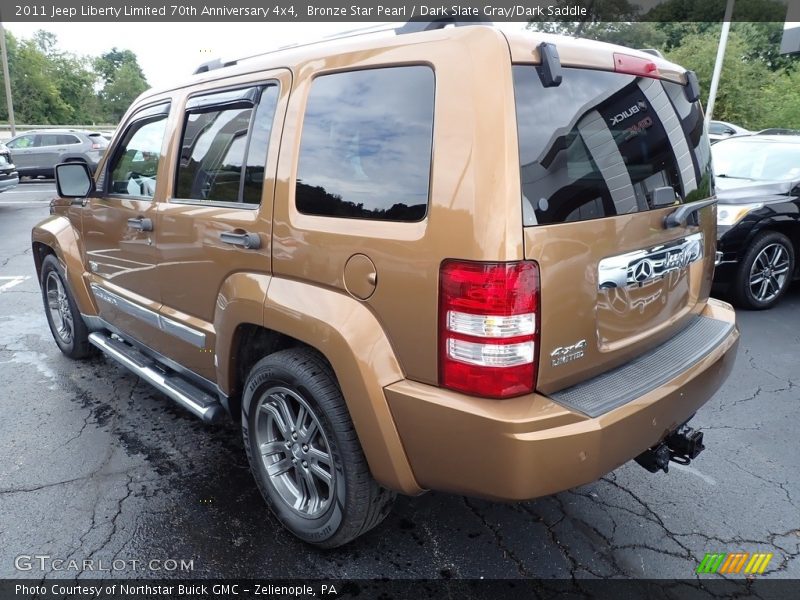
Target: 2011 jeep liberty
451, 259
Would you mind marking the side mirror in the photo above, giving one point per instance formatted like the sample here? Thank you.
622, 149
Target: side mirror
74, 180
662, 196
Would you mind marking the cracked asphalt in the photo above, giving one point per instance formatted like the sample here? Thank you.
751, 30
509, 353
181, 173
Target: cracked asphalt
97, 465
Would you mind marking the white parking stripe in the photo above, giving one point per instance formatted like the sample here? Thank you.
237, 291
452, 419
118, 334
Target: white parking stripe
12, 281
28, 190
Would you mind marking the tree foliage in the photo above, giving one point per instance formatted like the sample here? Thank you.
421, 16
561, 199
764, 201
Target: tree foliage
51, 87
122, 79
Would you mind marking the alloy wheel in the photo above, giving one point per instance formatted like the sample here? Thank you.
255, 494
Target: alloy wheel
58, 307
769, 272
295, 451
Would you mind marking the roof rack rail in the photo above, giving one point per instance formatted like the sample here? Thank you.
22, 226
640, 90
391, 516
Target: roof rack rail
413, 26
417, 25
212, 65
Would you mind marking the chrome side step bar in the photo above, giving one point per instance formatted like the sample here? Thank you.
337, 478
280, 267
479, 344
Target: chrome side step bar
176, 387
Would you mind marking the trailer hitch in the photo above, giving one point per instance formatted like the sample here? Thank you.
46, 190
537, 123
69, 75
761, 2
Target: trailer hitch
681, 446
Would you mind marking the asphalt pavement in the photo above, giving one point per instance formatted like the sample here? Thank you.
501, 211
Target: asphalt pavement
98, 466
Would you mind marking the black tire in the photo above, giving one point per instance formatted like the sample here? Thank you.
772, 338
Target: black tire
73, 340
757, 262
355, 501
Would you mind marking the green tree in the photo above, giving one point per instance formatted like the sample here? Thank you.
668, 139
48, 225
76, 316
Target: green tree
118, 94
49, 87
741, 82
36, 96
123, 80
780, 103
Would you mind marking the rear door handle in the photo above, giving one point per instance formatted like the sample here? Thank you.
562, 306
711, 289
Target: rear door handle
251, 241
141, 224
680, 217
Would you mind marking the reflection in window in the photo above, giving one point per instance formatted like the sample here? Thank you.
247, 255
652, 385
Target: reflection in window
259, 144
598, 145
212, 154
135, 165
216, 163
365, 151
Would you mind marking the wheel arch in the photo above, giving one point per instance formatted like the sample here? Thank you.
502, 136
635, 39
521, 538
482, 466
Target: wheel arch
342, 330
56, 235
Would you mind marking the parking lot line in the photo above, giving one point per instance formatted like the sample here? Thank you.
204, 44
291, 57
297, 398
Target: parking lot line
11, 282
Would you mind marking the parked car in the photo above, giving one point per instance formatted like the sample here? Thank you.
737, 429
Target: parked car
401, 271
36, 153
9, 178
758, 186
778, 131
719, 130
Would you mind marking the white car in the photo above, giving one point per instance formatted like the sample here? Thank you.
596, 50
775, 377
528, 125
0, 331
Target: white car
719, 130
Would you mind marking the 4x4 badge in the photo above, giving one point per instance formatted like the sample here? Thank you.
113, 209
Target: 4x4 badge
566, 354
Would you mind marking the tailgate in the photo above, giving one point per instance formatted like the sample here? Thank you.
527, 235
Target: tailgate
604, 158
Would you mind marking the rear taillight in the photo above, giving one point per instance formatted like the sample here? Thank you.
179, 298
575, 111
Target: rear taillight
488, 327
96, 146
635, 65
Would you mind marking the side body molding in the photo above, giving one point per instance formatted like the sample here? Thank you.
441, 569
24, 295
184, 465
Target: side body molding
57, 233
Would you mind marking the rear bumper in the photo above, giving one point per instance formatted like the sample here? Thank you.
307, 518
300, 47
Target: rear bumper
530, 446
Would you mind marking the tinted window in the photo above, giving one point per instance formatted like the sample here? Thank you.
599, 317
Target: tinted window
224, 148
47, 139
599, 144
365, 151
98, 140
63, 139
259, 143
135, 166
717, 128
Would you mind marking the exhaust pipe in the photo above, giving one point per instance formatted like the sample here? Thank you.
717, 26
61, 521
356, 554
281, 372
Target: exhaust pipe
681, 446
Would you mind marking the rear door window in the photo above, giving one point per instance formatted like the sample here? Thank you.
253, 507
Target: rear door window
601, 143
47, 139
224, 146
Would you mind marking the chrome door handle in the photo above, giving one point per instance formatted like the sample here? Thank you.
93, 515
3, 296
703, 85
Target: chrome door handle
251, 241
141, 224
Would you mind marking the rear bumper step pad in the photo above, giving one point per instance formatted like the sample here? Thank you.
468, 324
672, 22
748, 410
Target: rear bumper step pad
615, 388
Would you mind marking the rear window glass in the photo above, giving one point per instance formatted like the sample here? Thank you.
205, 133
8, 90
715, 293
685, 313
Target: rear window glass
64, 139
599, 144
97, 138
365, 151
